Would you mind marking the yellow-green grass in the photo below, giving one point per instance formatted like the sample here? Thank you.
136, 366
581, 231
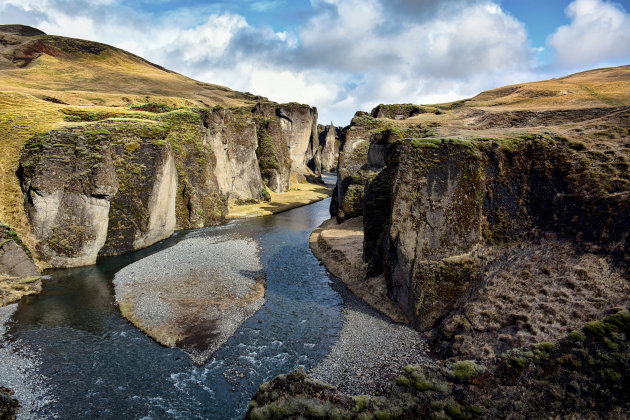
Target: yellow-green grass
299, 195
21, 117
12, 289
32, 101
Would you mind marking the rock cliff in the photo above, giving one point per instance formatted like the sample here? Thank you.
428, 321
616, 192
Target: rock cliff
361, 157
103, 174
443, 218
288, 142
131, 178
18, 275
496, 224
329, 142
234, 143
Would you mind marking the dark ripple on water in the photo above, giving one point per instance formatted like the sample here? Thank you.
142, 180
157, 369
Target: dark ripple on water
99, 365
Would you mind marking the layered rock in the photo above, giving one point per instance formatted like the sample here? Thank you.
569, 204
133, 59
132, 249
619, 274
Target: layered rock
362, 156
329, 142
120, 184
355, 143
68, 180
116, 186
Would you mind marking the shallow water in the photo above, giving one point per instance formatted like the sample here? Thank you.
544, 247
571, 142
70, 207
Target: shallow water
90, 362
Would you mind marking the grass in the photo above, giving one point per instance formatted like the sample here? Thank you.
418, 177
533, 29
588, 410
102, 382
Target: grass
80, 87
298, 195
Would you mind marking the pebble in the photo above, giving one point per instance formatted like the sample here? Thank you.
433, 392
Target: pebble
371, 351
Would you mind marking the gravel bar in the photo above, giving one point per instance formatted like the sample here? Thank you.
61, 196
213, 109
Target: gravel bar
371, 351
193, 295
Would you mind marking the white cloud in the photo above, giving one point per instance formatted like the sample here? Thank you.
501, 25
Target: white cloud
348, 55
599, 31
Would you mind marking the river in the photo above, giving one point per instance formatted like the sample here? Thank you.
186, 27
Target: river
74, 356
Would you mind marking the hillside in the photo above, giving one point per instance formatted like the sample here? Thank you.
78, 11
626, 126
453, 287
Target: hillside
105, 152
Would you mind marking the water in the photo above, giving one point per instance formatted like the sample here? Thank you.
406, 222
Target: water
91, 363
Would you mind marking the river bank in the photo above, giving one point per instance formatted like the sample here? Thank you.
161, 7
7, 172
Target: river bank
300, 194
339, 246
374, 343
371, 349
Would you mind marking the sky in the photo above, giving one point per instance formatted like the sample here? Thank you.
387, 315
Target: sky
348, 55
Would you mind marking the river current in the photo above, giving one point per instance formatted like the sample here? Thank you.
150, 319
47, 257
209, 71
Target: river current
78, 358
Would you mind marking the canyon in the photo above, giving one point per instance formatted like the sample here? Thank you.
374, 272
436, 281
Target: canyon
496, 227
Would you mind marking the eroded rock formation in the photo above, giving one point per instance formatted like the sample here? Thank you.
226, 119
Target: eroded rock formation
287, 142
234, 142
329, 142
121, 184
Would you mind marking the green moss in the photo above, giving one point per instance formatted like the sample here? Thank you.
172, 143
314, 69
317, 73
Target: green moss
266, 152
430, 143
362, 402
576, 336
576, 145
382, 415
465, 369
264, 193
455, 411
131, 147
403, 381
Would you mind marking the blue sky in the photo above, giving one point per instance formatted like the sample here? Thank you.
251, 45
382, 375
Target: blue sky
349, 55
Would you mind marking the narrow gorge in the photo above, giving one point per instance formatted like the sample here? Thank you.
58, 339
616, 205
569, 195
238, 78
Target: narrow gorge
176, 249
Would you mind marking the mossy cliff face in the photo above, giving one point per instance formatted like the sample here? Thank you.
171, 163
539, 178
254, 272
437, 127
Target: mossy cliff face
432, 209
583, 375
118, 181
106, 188
352, 167
287, 142
444, 215
329, 142
68, 180
362, 155
233, 139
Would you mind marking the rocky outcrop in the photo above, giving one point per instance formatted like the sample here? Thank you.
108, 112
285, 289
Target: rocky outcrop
363, 147
355, 143
68, 180
396, 111
584, 375
447, 206
329, 142
115, 184
287, 142
18, 274
234, 140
